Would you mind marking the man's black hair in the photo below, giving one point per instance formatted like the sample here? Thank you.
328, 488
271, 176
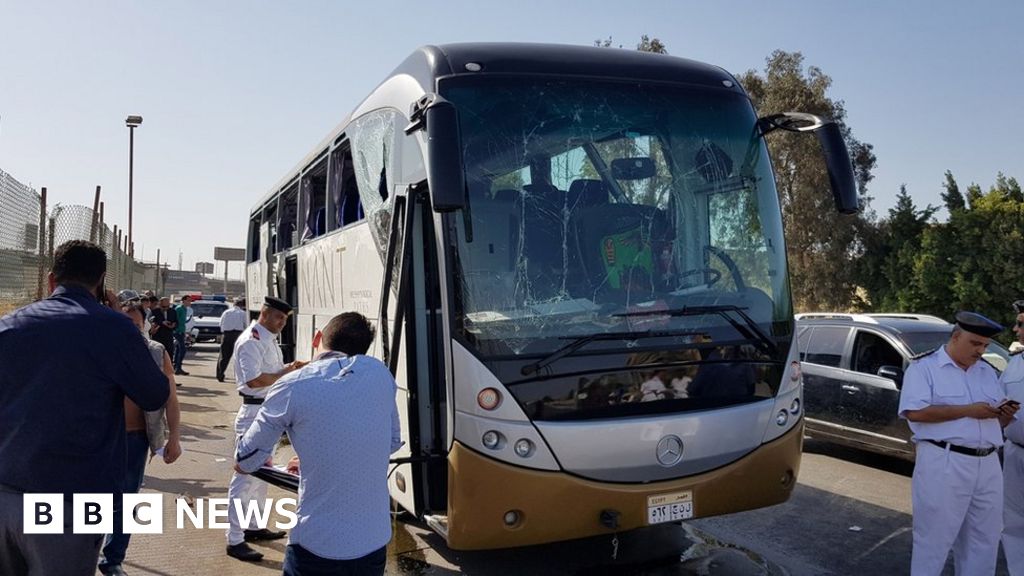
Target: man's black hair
349, 333
79, 262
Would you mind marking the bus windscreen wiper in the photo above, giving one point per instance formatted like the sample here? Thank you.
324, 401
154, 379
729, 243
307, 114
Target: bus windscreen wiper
582, 341
750, 330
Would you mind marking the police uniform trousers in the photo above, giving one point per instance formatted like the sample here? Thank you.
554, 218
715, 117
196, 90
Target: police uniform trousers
243, 487
227, 348
1013, 512
958, 505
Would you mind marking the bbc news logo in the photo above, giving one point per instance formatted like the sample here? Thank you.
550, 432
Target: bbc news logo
144, 513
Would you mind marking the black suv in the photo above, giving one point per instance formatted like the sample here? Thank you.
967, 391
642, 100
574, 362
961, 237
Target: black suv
853, 369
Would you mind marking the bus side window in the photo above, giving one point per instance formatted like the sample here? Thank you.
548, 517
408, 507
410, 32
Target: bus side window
346, 206
270, 217
288, 212
313, 205
254, 238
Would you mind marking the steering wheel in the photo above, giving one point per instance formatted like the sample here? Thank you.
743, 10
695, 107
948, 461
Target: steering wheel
710, 274
730, 264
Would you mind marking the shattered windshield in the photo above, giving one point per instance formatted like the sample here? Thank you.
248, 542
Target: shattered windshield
594, 206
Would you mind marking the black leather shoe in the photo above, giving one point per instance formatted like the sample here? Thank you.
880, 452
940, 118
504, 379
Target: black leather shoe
113, 570
244, 553
263, 534
181, 373
220, 378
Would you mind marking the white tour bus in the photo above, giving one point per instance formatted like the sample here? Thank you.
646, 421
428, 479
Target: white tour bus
574, 257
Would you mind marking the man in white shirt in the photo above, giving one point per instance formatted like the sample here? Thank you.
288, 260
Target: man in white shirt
258, 365
1013, 457
339, 413
232, 322
954, 406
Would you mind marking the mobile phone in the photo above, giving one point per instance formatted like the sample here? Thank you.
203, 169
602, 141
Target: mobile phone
101, 293
1008, 402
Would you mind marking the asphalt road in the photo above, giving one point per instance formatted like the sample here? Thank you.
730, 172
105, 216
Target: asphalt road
849, 514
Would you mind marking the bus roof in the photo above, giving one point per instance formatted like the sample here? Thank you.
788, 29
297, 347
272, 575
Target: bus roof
430, 63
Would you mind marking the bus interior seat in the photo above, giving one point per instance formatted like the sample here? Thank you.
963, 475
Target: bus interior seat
617, 244
583, 193
351, 209
321, 222
544, 238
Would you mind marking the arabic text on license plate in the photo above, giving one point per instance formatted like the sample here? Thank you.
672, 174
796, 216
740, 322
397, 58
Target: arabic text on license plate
670, 507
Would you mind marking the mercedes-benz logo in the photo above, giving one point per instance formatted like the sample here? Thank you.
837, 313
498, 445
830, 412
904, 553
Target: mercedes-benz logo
669, 450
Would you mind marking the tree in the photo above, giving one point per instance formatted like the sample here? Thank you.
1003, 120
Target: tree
651, 45
974, 261
952, 197
821, 243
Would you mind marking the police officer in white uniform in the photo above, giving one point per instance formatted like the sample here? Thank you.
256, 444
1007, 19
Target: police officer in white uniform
258, 364
954, 405
1013, 457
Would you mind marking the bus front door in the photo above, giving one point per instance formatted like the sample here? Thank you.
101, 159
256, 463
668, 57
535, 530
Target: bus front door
411, 345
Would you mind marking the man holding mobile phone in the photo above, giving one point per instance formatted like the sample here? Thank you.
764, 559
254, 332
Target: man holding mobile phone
1013, 456
955, 407
62, 422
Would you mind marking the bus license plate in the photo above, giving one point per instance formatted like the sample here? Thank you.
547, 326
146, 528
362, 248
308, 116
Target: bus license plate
669, 507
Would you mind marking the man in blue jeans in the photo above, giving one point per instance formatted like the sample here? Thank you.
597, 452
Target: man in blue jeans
339, 412
138, 446
179, 334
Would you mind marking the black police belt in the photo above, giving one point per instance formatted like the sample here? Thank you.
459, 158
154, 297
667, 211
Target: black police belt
246, 399
979, 452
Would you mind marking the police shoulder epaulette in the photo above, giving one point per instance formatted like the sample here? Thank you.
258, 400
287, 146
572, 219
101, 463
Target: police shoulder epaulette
923, 354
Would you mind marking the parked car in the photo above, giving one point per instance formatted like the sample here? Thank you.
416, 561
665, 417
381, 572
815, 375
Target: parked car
205, 321
853, 366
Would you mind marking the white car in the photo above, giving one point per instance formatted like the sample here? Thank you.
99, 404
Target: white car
205, 322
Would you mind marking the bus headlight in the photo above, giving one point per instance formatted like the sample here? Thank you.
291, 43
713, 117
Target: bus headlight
523, 447
782, 418
491, 439
794, 407
488, 398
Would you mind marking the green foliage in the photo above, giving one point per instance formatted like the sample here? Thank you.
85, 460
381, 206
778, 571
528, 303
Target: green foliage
973, 261
821, 243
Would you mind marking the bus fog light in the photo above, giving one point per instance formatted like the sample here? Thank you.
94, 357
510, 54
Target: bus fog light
523, 447
782, 418
488, 398
512, 517
794, 408
491, 439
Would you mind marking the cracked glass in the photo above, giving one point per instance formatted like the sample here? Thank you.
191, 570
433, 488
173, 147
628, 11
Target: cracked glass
598, 207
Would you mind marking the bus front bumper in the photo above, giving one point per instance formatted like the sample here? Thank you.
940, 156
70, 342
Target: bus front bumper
553, 506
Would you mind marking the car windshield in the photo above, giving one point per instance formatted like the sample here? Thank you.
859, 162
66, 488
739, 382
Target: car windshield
922, 342
594, 205
208, 309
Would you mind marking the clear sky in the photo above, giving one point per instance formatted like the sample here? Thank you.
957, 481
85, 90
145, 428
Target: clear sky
235, 93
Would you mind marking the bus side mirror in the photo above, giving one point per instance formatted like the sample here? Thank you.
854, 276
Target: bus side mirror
445, 175
837, 157
840, 169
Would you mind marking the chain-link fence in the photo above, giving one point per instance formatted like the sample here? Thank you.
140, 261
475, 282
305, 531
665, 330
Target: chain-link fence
27, 243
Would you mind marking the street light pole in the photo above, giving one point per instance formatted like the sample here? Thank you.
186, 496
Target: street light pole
131, 122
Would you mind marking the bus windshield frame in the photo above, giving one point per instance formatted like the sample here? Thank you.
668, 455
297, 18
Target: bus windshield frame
593, 204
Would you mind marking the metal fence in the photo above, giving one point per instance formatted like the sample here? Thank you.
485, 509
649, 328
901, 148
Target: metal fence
29, 234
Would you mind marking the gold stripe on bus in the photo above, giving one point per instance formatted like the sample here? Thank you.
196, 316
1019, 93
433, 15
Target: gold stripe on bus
555, 506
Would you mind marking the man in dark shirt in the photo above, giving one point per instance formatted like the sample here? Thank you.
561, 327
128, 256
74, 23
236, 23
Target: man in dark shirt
62, 408
163, 320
